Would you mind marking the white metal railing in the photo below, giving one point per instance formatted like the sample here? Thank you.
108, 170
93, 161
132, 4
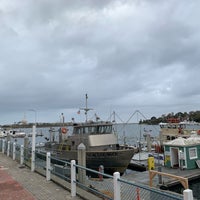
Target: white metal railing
187, 194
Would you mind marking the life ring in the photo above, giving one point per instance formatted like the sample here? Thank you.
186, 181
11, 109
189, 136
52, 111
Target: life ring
64, 130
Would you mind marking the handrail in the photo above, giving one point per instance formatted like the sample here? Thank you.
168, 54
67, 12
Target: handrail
183, 181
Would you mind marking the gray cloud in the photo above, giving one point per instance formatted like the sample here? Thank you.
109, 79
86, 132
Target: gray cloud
125, 54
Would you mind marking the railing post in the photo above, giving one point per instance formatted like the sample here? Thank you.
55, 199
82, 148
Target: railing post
1, 142
3, 146
187, 194
8, 149
117, 188
21, 155
14, 151
33, 149
48, 166
82, 162
73, 178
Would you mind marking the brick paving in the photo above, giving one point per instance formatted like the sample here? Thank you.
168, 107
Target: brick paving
20, 183
11, 189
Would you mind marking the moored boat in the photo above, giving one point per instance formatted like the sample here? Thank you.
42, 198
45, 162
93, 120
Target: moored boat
101, 145
100, 141
3, 133
174, 129
16, 133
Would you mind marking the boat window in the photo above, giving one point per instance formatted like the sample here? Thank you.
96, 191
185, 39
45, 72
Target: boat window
76, 131
89, 129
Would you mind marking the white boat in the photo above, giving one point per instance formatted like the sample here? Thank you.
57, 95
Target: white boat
16, 133
3, 133
37, 134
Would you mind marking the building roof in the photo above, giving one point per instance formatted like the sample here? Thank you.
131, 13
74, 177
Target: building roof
192, 140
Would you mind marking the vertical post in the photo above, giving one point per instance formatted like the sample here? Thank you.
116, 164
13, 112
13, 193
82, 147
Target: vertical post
14, 151
21, 155
159, 176
117, 188
187, 194
101, 170
82, 162
33, 149
1, 142
8, 149
138, 193
26, 146
48, 166
3, 146
73, 178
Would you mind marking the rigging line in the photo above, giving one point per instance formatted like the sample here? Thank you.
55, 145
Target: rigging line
119, 118
147, 119
115, 114
131, 116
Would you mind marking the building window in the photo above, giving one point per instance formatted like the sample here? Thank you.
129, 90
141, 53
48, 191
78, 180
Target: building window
193, 153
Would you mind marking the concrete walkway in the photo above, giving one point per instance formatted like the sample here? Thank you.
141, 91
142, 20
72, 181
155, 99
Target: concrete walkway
20, 183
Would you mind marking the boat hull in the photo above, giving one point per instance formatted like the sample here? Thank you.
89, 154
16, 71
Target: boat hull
112, 161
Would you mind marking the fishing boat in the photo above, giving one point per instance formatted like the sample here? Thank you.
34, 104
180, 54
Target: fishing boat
174, 129
101, 143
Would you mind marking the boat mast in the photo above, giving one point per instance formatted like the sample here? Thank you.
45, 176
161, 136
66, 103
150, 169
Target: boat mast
86, 109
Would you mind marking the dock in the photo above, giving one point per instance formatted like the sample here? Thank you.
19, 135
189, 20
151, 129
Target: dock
19, 182
143, 177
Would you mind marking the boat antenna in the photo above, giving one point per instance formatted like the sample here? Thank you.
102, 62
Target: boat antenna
86, 109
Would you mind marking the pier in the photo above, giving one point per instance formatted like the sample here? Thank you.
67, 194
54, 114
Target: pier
36, 178
18, 182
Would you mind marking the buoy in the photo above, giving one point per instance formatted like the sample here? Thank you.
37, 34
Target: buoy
64, 130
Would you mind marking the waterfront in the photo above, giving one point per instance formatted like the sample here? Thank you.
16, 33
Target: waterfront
194, 185
130, 133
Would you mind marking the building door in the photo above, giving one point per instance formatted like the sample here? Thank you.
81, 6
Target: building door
174, 157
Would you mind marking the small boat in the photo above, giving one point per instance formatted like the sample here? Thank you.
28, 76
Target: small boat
37, 134
139, 161
3, 133
16, 133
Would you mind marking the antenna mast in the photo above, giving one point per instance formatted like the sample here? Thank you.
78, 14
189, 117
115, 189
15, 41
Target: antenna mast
86, 109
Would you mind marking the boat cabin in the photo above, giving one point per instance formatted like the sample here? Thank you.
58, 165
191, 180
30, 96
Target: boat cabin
94, 135
171, 131
93, 128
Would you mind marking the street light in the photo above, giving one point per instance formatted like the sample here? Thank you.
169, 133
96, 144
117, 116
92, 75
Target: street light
35, 113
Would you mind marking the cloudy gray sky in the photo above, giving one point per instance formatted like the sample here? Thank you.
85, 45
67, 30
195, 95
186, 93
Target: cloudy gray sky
126, 55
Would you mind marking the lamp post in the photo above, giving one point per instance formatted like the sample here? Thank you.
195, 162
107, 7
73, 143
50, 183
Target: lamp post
33, 142
35, 114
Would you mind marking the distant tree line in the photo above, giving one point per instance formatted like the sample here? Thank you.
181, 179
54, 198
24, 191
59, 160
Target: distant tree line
39, 125
193, 116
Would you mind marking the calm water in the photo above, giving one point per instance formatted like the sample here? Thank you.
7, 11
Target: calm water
193, 185
130, 134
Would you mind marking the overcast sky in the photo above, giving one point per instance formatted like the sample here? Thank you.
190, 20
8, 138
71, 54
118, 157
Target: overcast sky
126, 55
